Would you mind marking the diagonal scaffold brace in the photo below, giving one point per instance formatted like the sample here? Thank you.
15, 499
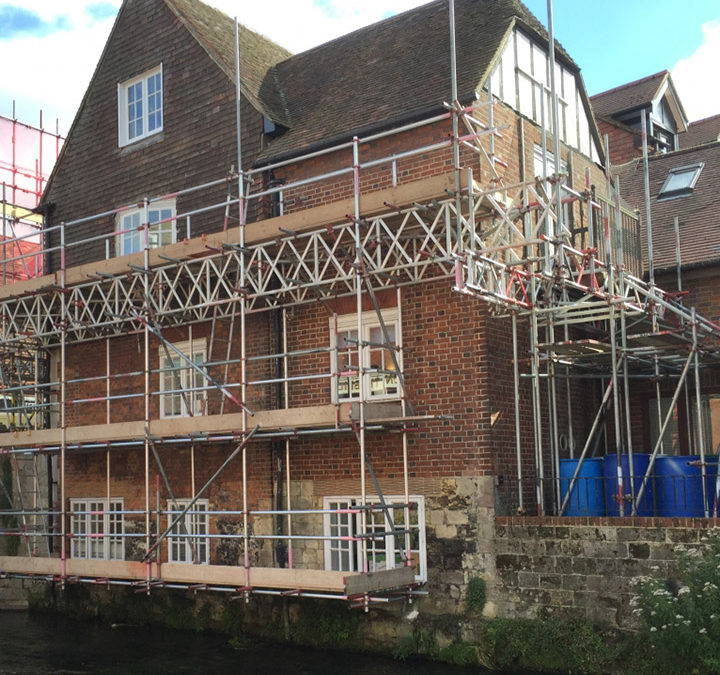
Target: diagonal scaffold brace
189, 362
200, 493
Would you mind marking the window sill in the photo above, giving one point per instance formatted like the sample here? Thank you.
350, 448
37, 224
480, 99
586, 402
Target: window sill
143, 143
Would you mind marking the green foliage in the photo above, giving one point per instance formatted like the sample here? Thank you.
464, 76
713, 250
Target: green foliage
475, 595
682, 617
324, 624
460, 653
421, 642
547, 645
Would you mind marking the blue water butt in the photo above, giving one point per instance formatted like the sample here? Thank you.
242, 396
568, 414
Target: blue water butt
587, 496
678, 485
641, 461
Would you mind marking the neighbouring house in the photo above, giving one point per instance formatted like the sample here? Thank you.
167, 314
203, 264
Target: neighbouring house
346, 354
620, 112
702, 131
686, 256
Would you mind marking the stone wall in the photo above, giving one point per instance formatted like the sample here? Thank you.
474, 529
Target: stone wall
585, 567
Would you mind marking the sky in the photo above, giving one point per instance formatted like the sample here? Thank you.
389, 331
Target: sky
49, 48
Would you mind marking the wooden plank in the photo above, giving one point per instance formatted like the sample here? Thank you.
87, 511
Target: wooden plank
378, 581
371, 203
215, 575
24, 565
112, 569
290, 418
260, 577
75, 567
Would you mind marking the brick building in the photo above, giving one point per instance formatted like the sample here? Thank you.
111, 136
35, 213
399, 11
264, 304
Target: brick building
326, 373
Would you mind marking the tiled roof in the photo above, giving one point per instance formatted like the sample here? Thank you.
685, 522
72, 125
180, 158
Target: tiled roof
697, 213
703, 131
628, 96
391, 70
258, 55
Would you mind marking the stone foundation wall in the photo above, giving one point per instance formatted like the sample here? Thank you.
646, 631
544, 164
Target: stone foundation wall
586, 567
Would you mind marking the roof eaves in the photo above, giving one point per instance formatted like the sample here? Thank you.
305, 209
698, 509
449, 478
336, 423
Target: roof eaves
338, 139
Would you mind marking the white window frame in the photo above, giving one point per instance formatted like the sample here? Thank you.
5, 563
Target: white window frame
692, 170
349, 553
140, 86
162, 225
190, 380
375, 385
91, 516
197, 526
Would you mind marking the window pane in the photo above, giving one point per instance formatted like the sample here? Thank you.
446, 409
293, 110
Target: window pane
135, 110
154, 102
347, 364
382, 383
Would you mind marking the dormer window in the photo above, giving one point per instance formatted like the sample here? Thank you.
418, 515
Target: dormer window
140, 107
680, 181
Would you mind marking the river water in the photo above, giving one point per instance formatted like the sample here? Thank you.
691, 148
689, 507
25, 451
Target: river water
37, 643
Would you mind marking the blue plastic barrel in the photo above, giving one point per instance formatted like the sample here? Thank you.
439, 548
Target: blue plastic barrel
678, 485
587, 496
641, 461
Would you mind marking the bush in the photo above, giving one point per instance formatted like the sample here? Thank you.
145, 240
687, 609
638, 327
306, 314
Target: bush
475, 595
546, 645
681, 616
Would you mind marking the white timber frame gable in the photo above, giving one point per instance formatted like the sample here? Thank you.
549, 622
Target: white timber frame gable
521, 76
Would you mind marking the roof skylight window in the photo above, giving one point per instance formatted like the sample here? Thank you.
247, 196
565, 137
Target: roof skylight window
680, 181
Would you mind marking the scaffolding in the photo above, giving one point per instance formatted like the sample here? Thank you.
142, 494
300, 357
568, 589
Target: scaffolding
27, 156
575, 308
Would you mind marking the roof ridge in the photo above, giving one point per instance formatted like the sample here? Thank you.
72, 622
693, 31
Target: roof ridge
647, 78
704, 119
343, 36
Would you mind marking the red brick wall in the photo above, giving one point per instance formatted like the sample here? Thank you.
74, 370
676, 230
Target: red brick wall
623, 142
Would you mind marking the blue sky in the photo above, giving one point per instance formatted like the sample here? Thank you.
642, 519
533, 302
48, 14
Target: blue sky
618, 41
53, 46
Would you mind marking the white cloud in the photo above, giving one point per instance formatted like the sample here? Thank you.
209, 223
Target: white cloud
302, 24
695, 78
51, 73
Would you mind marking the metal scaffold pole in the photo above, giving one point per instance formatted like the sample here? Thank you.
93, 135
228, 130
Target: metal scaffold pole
146, 381
242, 212
63, 403
358, 264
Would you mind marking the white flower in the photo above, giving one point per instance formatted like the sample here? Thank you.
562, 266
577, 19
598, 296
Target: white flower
703, 631
678, 616
684, 590
653, 629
